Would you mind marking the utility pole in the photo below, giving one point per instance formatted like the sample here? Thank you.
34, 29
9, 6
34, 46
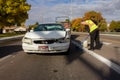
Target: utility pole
71, 9
41, 19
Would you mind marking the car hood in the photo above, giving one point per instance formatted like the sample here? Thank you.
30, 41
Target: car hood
46, 34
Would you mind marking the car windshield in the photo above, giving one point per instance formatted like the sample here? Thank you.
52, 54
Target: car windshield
49, 27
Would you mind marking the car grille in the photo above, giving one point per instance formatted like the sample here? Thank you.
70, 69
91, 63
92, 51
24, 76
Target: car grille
46, 41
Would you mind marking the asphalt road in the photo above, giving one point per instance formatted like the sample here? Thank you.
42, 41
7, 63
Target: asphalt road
78, 65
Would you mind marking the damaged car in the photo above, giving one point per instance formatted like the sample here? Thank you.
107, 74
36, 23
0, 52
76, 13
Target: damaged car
47, 38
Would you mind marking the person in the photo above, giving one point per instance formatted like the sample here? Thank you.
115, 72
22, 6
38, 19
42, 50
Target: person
93, 32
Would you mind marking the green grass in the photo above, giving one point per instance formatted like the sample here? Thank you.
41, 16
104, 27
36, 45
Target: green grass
10, 34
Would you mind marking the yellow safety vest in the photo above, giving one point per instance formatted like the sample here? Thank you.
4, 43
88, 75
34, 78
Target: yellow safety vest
92, 25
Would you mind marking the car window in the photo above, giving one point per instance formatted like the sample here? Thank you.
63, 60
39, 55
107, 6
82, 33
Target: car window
49, 27
40, 28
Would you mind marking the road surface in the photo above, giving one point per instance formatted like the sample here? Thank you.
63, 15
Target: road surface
79, 64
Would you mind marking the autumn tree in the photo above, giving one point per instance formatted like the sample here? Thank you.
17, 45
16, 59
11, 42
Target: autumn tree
13, 12
98, 18
76, 24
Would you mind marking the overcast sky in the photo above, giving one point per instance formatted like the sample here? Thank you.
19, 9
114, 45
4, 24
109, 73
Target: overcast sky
47, 10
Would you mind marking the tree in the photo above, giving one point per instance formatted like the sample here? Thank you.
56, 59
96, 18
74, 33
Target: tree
114, 26
102, 25
98, 18
13, 12
76, 24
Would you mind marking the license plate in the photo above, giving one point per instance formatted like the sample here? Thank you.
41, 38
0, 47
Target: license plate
43, 48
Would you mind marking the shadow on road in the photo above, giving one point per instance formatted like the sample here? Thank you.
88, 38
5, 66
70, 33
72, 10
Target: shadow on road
76, 53
113, 75
6, 50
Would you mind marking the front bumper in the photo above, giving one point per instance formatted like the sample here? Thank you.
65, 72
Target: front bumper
52, 48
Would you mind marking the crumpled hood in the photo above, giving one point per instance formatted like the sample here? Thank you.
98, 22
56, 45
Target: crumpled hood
46, 34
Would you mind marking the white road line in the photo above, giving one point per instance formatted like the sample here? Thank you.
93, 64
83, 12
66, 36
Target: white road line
106, 43
110, 64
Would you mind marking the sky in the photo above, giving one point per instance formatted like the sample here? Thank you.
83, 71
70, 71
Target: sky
45, 11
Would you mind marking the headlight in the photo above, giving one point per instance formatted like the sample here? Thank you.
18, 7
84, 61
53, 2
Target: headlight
27, 40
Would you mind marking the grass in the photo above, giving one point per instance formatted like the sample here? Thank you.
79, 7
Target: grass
10, 34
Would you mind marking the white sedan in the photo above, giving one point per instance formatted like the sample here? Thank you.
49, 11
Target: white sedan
47, 38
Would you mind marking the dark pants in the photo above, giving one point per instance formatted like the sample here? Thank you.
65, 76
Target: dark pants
94, 38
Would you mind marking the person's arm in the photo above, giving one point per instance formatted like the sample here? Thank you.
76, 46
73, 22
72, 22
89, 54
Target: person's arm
84, 23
